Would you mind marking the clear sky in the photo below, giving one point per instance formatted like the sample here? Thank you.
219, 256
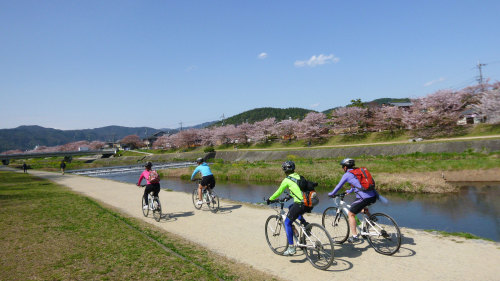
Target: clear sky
88, 64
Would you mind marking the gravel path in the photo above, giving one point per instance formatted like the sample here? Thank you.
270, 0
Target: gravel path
237, 232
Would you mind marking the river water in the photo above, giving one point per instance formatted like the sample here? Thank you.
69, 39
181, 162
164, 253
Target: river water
475, 209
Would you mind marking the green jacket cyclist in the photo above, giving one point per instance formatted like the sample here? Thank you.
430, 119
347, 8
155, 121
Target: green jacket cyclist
297, 209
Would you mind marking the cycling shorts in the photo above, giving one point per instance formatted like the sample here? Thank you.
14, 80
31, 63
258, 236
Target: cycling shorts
295, 210
208, 181
359, 204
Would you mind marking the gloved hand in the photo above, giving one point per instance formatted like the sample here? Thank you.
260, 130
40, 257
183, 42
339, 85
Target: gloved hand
330, 194
269, 201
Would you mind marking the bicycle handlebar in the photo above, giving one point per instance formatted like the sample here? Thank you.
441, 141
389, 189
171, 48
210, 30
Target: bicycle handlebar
282, 200
341, 195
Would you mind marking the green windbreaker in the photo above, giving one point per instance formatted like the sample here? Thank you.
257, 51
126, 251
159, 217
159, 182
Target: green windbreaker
295, 191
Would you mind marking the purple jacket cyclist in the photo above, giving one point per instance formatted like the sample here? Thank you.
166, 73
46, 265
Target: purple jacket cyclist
364, 198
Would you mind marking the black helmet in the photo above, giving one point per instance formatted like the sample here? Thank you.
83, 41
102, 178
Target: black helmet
288, 166
199, 160
148, 165
348, 162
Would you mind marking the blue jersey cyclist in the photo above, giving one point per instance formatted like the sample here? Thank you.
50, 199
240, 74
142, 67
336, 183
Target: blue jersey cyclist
297, 209
207, 178
363, 197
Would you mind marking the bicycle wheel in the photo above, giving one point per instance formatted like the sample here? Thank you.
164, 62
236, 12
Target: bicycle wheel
214, 202
384, 234
195, 199
145, 212
319, 246
276, 234
336, 224
156, 209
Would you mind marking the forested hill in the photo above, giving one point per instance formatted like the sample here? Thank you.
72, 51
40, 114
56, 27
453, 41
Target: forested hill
27, 137
259, 114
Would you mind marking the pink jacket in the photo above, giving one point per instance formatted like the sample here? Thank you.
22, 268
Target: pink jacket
144, 175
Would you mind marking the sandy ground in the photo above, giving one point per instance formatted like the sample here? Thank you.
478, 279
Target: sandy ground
237, 232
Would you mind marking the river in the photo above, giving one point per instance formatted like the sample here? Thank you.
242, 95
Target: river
475, 209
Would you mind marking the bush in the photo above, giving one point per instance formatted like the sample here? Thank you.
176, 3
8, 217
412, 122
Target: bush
209, 149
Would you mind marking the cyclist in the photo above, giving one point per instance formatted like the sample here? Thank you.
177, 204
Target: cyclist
295, 210
207, 178
364, 198
155, 187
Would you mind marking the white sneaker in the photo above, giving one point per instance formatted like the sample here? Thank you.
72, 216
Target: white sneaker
290, 251
199, 203
145, 207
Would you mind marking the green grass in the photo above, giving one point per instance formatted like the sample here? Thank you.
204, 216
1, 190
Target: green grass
465, 235
50, 233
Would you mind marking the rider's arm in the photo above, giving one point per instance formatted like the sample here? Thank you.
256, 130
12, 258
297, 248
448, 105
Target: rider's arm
140, 178
341, 183
195, 172
283, 186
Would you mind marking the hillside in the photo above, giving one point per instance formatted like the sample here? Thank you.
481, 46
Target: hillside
27, 137
259, 114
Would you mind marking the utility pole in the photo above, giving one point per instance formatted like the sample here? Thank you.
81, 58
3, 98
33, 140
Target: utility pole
222, 119
180, 123
480, 78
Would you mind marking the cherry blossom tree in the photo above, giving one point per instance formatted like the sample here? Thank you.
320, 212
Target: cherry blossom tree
349, 119
95, 145
16, 151
263, 130
286, 129
490, 106
312, 126
388, 118
133, 141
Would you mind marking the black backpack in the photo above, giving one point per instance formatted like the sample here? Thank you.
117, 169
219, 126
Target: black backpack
308, 192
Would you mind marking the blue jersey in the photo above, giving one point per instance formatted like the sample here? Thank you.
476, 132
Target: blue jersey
204, 169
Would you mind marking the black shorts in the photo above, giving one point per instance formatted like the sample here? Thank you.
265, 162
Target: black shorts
208, 181
297, 210
359, 204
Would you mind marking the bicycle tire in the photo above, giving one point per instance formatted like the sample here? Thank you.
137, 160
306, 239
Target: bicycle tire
145, 212
156, 209
276, 234
337, 225
195, 199
319, 247
385, 236
214, 202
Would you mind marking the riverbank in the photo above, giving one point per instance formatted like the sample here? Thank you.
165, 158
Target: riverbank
236, 232
71, 237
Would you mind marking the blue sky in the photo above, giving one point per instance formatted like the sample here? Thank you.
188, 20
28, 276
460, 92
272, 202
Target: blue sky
87, 64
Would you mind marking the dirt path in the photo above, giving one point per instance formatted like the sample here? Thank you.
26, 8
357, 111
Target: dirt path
237, 232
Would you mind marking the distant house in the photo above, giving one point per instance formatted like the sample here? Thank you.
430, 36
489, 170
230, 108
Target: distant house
404, 105
469, 116
151, 139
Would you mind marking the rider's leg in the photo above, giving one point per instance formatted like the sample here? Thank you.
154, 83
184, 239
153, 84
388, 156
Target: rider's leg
352, 223
200, 189
289, 231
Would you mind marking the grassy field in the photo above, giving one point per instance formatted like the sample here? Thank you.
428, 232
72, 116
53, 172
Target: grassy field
50, 233
391, 173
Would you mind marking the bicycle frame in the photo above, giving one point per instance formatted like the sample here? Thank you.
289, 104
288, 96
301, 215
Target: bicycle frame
342, 206
300, 234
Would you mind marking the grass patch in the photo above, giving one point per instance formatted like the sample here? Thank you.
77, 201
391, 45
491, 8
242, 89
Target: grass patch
50, 233
465, 235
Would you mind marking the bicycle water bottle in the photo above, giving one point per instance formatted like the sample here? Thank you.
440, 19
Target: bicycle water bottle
358, 222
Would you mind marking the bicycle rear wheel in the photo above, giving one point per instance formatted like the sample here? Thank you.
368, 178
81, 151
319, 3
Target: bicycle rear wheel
145, 212
156, 209
336, 224
384, 234
276, 234
319, 246
195, 199
214, 201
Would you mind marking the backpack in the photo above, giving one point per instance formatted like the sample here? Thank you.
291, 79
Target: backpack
154, 177
308, 193
364, 177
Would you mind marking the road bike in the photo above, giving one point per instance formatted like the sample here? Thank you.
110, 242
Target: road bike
313, 239
381, 231
153, 204
209, 197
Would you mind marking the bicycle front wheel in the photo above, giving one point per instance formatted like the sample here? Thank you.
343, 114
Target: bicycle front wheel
384, 234
319, 246
157, 209
195, 199
276, 234
145, 211
336, 224
214, 202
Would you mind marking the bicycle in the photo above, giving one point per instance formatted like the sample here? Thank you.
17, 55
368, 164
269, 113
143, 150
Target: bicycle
381, 231
313, 239
153, 205
209, 197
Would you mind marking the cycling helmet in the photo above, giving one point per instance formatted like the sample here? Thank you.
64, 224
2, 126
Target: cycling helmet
148, 165
348, 162
288, 166
199, 160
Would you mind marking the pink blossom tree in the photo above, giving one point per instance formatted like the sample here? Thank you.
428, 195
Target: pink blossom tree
490, 106
132, 141
286, 129
312, 127
388, 118
263, 130
349, 119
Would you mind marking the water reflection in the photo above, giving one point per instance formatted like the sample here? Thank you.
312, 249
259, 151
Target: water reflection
474, 209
